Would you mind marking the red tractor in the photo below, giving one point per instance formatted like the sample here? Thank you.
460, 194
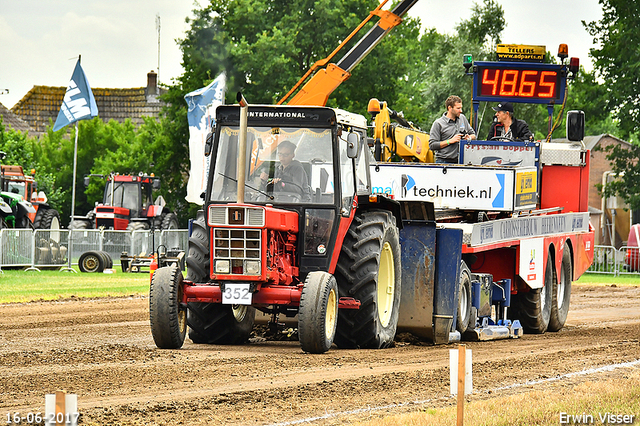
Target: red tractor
308, 248
128, 204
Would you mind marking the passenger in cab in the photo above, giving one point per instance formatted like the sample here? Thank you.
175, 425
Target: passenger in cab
506, 127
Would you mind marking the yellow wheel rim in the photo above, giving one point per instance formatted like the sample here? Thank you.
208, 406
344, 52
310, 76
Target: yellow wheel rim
386, 285
332, 314
182, 313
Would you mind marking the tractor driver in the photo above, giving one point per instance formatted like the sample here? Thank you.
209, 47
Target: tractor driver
289, 175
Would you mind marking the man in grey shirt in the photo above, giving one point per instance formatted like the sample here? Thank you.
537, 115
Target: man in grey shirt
447, 131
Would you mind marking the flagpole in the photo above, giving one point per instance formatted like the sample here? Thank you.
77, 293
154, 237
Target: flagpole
73, 198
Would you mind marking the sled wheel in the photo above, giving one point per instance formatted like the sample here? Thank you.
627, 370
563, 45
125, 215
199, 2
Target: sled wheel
533, 308
91, 261
369, 270
562, 293
464, 299
318, 314
167, 314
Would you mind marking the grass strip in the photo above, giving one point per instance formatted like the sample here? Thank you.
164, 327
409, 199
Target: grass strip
30, 286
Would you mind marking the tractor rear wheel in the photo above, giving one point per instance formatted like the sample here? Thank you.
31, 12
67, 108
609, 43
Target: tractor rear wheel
47, 219
137, 226
169, 221
533, 308
167, 314
318, 314
464, 300
91, 261
80, 224
198, 261
214, 323
369, 270
561, 293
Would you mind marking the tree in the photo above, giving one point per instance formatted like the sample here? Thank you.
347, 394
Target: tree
617, 62
21, 150
618, 65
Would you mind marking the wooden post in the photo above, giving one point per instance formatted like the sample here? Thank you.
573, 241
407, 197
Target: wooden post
462, 351
60, 407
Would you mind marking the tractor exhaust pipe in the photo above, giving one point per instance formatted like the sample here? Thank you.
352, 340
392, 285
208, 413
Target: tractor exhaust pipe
242, 146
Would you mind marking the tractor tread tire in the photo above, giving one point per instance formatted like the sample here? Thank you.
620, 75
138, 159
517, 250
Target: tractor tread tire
45, 218
80, 224
138, 226
198, 261
214, 323
357, 276
166, 314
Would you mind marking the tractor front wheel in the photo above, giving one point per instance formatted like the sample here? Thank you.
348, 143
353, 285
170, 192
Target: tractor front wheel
369, 271
167, 313
318, 314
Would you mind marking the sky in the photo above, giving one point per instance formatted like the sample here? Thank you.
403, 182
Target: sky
40, 41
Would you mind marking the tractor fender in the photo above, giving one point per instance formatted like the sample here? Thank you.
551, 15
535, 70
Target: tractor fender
5, 208
156, 210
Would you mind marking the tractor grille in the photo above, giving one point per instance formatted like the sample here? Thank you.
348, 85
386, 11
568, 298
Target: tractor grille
237, 251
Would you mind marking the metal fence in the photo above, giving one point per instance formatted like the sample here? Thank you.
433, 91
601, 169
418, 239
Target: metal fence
50, 249
609, 260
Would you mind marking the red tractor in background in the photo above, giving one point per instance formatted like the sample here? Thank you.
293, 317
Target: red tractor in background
128, 204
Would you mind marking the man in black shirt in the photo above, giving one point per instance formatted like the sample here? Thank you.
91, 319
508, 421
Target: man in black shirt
289, 176
507, 127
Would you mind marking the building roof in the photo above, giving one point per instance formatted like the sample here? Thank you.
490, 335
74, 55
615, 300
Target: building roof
42, 103
9, 119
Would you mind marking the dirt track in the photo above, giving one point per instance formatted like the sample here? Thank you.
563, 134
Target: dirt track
102, 351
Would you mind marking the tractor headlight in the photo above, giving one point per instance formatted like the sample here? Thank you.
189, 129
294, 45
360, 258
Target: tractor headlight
252, 267
222, 266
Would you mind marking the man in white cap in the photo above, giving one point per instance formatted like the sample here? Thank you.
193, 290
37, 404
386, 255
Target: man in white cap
506, 127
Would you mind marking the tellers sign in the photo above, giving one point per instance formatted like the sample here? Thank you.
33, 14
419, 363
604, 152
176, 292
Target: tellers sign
519, 82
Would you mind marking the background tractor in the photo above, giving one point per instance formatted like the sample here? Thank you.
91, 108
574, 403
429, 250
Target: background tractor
128, 204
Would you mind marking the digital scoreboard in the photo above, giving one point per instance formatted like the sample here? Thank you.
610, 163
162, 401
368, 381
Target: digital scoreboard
519, 82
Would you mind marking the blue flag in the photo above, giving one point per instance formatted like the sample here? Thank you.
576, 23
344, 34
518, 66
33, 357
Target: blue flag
78, 102
202, 104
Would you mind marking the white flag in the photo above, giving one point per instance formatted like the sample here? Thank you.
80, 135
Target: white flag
202, 105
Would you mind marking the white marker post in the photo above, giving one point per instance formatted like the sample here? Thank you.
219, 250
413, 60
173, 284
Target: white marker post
460, 383
61, 408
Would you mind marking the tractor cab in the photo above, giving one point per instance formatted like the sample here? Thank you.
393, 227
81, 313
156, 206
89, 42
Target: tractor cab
130, 192
304, 167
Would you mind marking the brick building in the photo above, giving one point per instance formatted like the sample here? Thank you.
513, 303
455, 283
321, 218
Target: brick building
42, 103
602, 214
